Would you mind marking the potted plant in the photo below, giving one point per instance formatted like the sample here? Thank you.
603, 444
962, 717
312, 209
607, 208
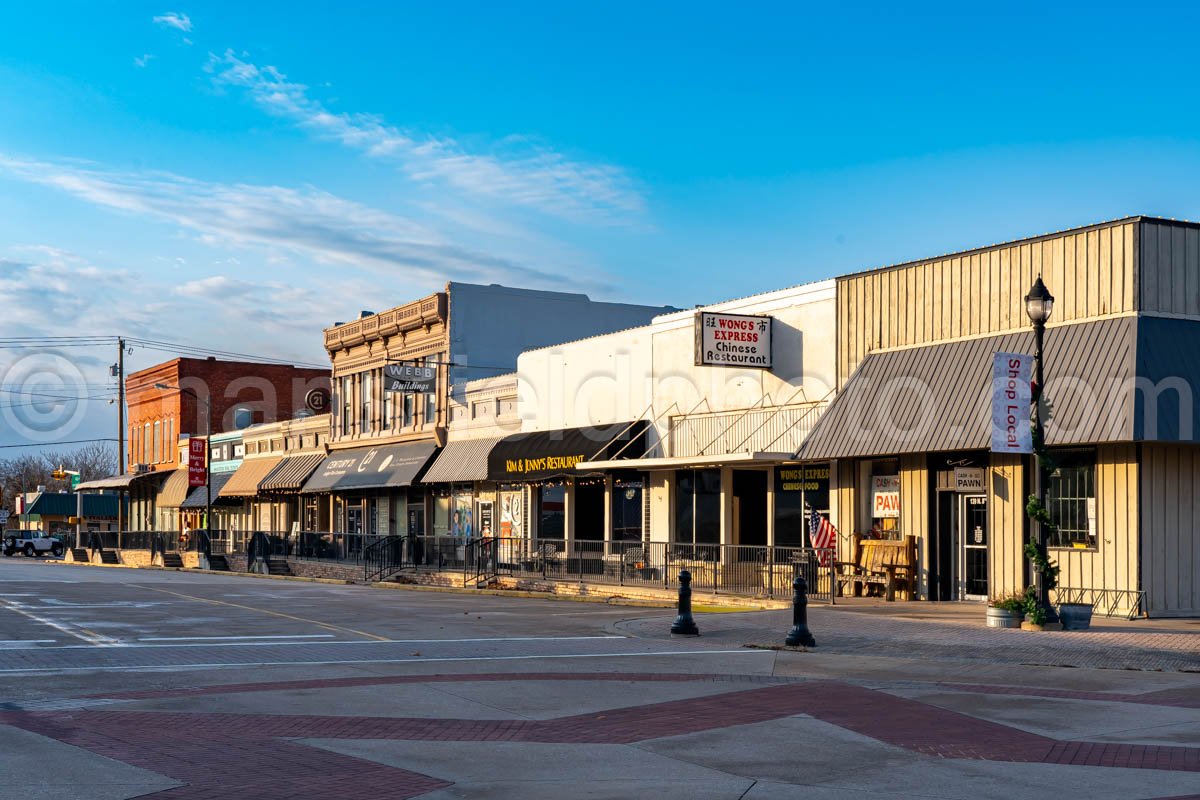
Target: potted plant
1075, 616
1035, 615
1006, 612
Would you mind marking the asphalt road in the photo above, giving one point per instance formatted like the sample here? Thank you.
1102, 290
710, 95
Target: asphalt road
122, 683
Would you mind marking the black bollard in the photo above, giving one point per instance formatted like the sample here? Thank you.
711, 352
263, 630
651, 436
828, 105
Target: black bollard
800, 634
684, 624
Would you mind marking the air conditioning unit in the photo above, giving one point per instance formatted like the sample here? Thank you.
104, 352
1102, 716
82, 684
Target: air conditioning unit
141, 469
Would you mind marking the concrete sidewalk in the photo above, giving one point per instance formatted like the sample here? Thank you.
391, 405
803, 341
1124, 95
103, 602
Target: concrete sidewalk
954, 631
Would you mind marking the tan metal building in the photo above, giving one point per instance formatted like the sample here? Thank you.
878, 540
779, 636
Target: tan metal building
910, 427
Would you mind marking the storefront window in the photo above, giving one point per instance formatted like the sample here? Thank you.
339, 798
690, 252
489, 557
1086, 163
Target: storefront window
698, 506
462, 522
799, 491
441, 514
387, 410
1071, 498
552, 506
354, 516
408, 410
627, 498
885, 499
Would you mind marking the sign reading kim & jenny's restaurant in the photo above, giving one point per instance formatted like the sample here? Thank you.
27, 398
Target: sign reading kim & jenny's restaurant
733, 340
409, 378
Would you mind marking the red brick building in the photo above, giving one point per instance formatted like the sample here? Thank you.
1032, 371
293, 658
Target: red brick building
242, 393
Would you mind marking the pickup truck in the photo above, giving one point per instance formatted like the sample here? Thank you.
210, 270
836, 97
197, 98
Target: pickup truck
31, 543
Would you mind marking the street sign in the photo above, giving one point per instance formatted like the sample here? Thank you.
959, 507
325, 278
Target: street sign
3, 517
74, 481
409, 378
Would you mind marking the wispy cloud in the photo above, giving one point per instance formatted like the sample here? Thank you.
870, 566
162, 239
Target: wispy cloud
520, 172
282, 220
143, 60
174, 19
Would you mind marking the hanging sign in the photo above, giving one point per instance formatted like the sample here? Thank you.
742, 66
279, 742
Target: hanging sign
733, 340
1011, 396
409, 378
197, 468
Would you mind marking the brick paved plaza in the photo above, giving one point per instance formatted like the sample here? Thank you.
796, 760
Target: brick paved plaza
124, 683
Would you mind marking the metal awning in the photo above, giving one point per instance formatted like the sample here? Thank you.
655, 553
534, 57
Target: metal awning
174, 490
247, 477
462, 460
291, 473
938, 398
198, 497
689, 462
391, 465
114, 481
542, 455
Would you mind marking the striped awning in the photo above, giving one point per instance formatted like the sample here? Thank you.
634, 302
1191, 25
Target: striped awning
247, 478
291, 473
174, 490
463, 460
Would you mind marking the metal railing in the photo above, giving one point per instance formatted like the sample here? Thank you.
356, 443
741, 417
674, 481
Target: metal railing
745, 570
1128, 603
385, 557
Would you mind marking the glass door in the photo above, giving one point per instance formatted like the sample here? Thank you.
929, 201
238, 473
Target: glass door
973, 529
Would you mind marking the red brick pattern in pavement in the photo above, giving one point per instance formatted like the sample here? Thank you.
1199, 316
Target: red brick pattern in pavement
248, 755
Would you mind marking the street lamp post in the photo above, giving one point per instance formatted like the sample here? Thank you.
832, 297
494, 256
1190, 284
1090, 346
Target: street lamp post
1039, 305
207, 461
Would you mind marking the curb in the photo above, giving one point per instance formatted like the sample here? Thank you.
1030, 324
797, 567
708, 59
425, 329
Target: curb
612, 600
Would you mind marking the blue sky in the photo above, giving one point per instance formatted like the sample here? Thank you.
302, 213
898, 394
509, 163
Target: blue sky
240, 175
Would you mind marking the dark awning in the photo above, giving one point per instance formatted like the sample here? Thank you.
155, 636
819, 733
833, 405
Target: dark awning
198, 496
65, 504
938, 397
541, 455
291, 473
371, 467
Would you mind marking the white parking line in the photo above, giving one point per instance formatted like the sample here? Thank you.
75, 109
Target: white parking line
466, 676
227, 638
91, 637
26, 641
285, 643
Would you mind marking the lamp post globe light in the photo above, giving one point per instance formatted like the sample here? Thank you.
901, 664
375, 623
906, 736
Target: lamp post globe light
1039, 305
207, 460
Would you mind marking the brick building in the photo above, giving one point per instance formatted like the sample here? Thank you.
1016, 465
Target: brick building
243, 393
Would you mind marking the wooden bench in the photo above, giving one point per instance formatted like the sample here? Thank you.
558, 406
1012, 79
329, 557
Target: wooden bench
888, 563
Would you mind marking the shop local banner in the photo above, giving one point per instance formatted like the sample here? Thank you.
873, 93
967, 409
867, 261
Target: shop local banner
1011, 399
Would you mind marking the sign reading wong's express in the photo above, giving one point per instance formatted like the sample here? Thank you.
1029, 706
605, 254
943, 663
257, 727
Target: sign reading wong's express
197, 468
409, 378
1011, 398
733, 340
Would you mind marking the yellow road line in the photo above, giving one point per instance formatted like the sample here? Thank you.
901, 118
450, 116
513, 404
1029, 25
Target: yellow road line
326, 625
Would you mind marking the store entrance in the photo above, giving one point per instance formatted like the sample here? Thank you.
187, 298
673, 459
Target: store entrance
750, 507
973, 565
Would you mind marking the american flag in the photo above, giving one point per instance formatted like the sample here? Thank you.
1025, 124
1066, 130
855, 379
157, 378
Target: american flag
821, 533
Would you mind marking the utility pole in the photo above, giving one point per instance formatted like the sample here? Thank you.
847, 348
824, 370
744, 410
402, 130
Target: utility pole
122, 468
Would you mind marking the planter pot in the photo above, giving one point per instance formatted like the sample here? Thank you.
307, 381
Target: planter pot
1075, 616
1003, 618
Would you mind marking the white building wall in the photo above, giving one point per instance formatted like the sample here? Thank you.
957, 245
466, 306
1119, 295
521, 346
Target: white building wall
650, 370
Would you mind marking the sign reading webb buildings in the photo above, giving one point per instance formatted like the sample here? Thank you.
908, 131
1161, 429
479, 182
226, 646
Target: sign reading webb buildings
733, 340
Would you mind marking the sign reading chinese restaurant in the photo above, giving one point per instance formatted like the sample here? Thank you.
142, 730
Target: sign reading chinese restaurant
733, 340
197, 468
885, 496
1011, 397
409, 378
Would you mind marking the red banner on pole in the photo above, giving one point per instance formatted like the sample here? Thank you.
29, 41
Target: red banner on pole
197, 466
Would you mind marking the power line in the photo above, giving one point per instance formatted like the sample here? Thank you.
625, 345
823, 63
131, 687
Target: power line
54, 444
